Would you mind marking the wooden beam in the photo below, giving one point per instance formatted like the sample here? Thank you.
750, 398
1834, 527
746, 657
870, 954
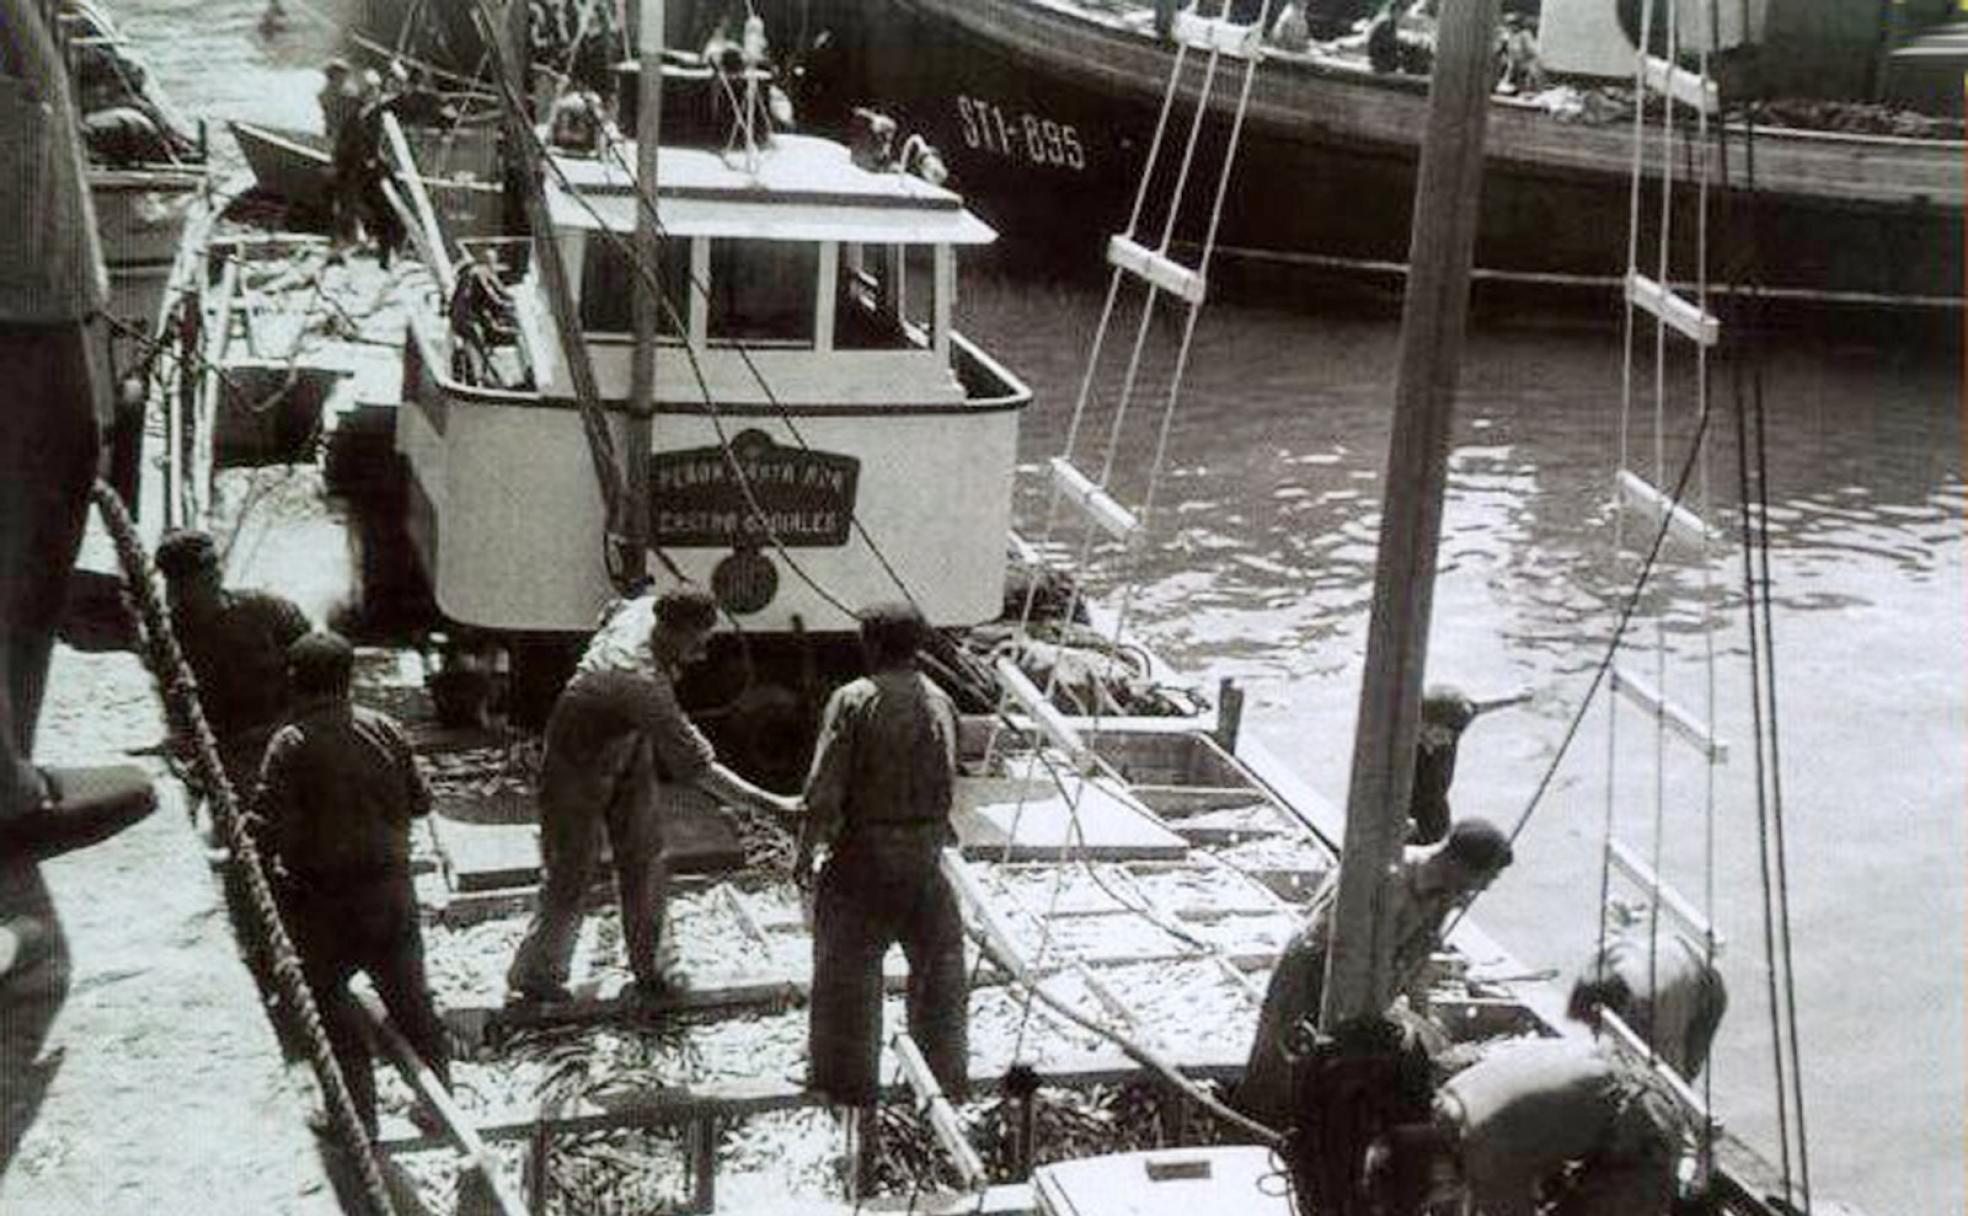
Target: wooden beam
425, 216
930, 1101
672, 1105
459, 1131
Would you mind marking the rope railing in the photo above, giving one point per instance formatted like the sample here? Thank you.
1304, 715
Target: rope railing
178, 691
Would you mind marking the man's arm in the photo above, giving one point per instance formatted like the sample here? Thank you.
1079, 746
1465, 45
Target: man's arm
688, 757
826, 785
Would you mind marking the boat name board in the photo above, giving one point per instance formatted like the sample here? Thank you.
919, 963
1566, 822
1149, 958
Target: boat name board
751, 494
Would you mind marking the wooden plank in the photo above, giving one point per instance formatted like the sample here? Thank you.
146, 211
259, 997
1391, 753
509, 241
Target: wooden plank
671, 1105
1034, 819
459, 1131
1156, 269
1627, 862
1682, 315
1680, 722
1634, 1046
1100, 506
942, 1117
1041, 712
1176, 801
420, 203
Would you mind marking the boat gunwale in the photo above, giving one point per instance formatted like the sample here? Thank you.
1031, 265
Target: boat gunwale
1796, 150
454, 393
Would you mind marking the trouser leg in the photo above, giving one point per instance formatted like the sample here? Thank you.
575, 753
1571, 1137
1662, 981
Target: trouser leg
1293, 995
400, 981
939, 996
50, 380
567, 848
844, 1032
642, 870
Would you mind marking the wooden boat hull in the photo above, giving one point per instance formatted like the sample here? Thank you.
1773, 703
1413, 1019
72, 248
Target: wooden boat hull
1044, 114
286, 163
141, 216
460, 163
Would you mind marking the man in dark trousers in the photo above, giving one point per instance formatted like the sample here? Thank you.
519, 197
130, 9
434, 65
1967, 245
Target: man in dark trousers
56, 404
1425, 886
878, 806
1445, 713
1543, 1126
236, 643
617, 745
337, 794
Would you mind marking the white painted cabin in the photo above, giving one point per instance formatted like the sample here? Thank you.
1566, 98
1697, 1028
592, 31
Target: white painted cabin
820, 349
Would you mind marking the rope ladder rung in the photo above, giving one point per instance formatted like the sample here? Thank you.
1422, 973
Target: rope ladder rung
1677, 905
1677, 312
1100, 506
1638, 494
1040, 710
1680, 722
1217, 35
1156, 269
1629, 1042
1691, 89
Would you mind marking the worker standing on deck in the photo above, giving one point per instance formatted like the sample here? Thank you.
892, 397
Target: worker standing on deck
54, 361
618, 745
337, 794
878, 807
1424, 887
340, 98
236, 643
1535, 1122
1445, 713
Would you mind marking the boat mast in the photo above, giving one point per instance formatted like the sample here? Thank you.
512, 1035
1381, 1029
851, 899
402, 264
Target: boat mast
648, 284
1448, 193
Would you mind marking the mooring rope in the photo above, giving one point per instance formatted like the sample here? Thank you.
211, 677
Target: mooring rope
178, 691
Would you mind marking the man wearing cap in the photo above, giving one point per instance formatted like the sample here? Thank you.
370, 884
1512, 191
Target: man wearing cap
1423, 888
337, 793
617, 743
878, 805
236, 643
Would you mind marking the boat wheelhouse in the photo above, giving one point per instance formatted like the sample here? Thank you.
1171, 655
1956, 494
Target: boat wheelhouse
822, 436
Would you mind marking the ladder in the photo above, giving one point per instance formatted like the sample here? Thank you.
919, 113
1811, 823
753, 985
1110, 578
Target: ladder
1685, 321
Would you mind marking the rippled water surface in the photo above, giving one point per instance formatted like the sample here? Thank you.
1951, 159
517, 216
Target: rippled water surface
1260, 568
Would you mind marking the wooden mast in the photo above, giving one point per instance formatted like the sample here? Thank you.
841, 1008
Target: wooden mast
1448, 192
648, 300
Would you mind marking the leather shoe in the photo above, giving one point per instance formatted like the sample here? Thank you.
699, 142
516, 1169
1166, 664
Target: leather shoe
81, 807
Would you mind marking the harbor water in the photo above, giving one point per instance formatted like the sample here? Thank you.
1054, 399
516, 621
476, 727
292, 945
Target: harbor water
1260, 568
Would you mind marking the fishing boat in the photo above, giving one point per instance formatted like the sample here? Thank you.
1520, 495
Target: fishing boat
147, 189
1043, 110
813, 399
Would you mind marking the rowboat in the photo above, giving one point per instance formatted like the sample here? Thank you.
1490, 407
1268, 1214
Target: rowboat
458, 164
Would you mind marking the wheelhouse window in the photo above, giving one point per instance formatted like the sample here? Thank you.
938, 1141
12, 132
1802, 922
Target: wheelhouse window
883, 293
608, 286
763, 291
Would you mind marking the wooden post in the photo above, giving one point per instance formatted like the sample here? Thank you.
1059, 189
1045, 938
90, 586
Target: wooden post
1447, 197
648, 298
1229, 714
